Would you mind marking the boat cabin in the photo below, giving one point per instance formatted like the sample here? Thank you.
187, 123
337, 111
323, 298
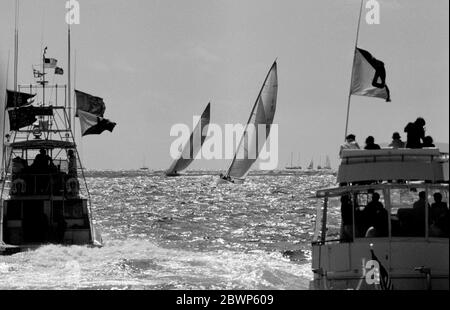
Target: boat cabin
391, 202
44, 203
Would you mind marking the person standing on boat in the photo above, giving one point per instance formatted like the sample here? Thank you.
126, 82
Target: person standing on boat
375, 216
41, 166
350, 143
397, 142
370, 144
41, 162
72, 163
415, 133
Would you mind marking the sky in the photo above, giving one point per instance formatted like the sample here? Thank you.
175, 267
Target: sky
157, 63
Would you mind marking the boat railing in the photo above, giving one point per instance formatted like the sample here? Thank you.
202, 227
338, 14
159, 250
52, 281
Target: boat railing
392, 155
44, 184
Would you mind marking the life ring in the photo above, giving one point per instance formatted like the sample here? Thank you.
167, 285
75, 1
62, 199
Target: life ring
18, 186
72, 186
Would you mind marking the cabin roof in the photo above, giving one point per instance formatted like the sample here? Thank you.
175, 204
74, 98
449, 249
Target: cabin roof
42, 144
393, 164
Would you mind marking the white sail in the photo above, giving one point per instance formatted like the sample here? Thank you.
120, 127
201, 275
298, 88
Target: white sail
262, 113
311, 165
182, 163
327, 163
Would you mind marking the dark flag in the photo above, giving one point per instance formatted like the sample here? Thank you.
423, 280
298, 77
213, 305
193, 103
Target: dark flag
369, 76
17, 99
92, 124
89, 103
21, 117
59, 71
385, 280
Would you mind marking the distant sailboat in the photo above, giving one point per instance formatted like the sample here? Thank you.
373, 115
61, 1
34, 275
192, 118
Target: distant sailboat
311, 165
181, 163
292, 167
327, 163
263, 112
143, 167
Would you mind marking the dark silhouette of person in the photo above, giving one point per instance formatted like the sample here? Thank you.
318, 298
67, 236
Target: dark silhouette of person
370, 144
42, 161
41, 165
428, 142
415, 133
375, 217
439, 217
419, 214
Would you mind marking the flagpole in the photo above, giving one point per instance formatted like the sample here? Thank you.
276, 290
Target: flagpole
353, 62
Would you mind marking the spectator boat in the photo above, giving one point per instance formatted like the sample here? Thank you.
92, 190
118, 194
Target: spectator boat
402, 246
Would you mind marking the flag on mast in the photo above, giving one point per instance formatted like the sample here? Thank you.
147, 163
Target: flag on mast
16, 99
369, 76
90, 110
50, 63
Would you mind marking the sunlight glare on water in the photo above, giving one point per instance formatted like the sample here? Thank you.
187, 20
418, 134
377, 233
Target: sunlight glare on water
184, 233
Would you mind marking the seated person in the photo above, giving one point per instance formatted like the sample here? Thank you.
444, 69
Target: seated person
397, 142
380, 225
438, 217
428, 142
350, 143
370, 144
375, 217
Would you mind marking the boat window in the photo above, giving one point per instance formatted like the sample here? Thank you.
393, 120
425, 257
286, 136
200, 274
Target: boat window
408, 212
371, 216
333, 220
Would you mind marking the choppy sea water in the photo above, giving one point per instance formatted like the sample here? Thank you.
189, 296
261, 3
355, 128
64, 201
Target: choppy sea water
184, 233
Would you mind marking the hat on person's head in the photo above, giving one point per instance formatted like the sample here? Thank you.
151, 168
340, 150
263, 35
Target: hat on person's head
396, 135
350, 137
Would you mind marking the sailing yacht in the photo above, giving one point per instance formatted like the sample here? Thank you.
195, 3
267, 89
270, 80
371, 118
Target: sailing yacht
327, 164
262, 113
311, 165
190, 147
292, 167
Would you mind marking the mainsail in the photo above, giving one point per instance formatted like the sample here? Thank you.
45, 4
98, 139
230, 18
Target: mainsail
199, 131
311, 165
262, 113
327, 163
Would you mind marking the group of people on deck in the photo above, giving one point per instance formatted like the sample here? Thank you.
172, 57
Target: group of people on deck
372, 220
415, 133
41, 171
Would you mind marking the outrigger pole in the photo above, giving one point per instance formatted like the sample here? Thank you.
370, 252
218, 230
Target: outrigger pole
353, 63
69, 90
16, 62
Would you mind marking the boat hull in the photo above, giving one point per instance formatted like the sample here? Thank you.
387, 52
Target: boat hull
340, 266
29, 223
